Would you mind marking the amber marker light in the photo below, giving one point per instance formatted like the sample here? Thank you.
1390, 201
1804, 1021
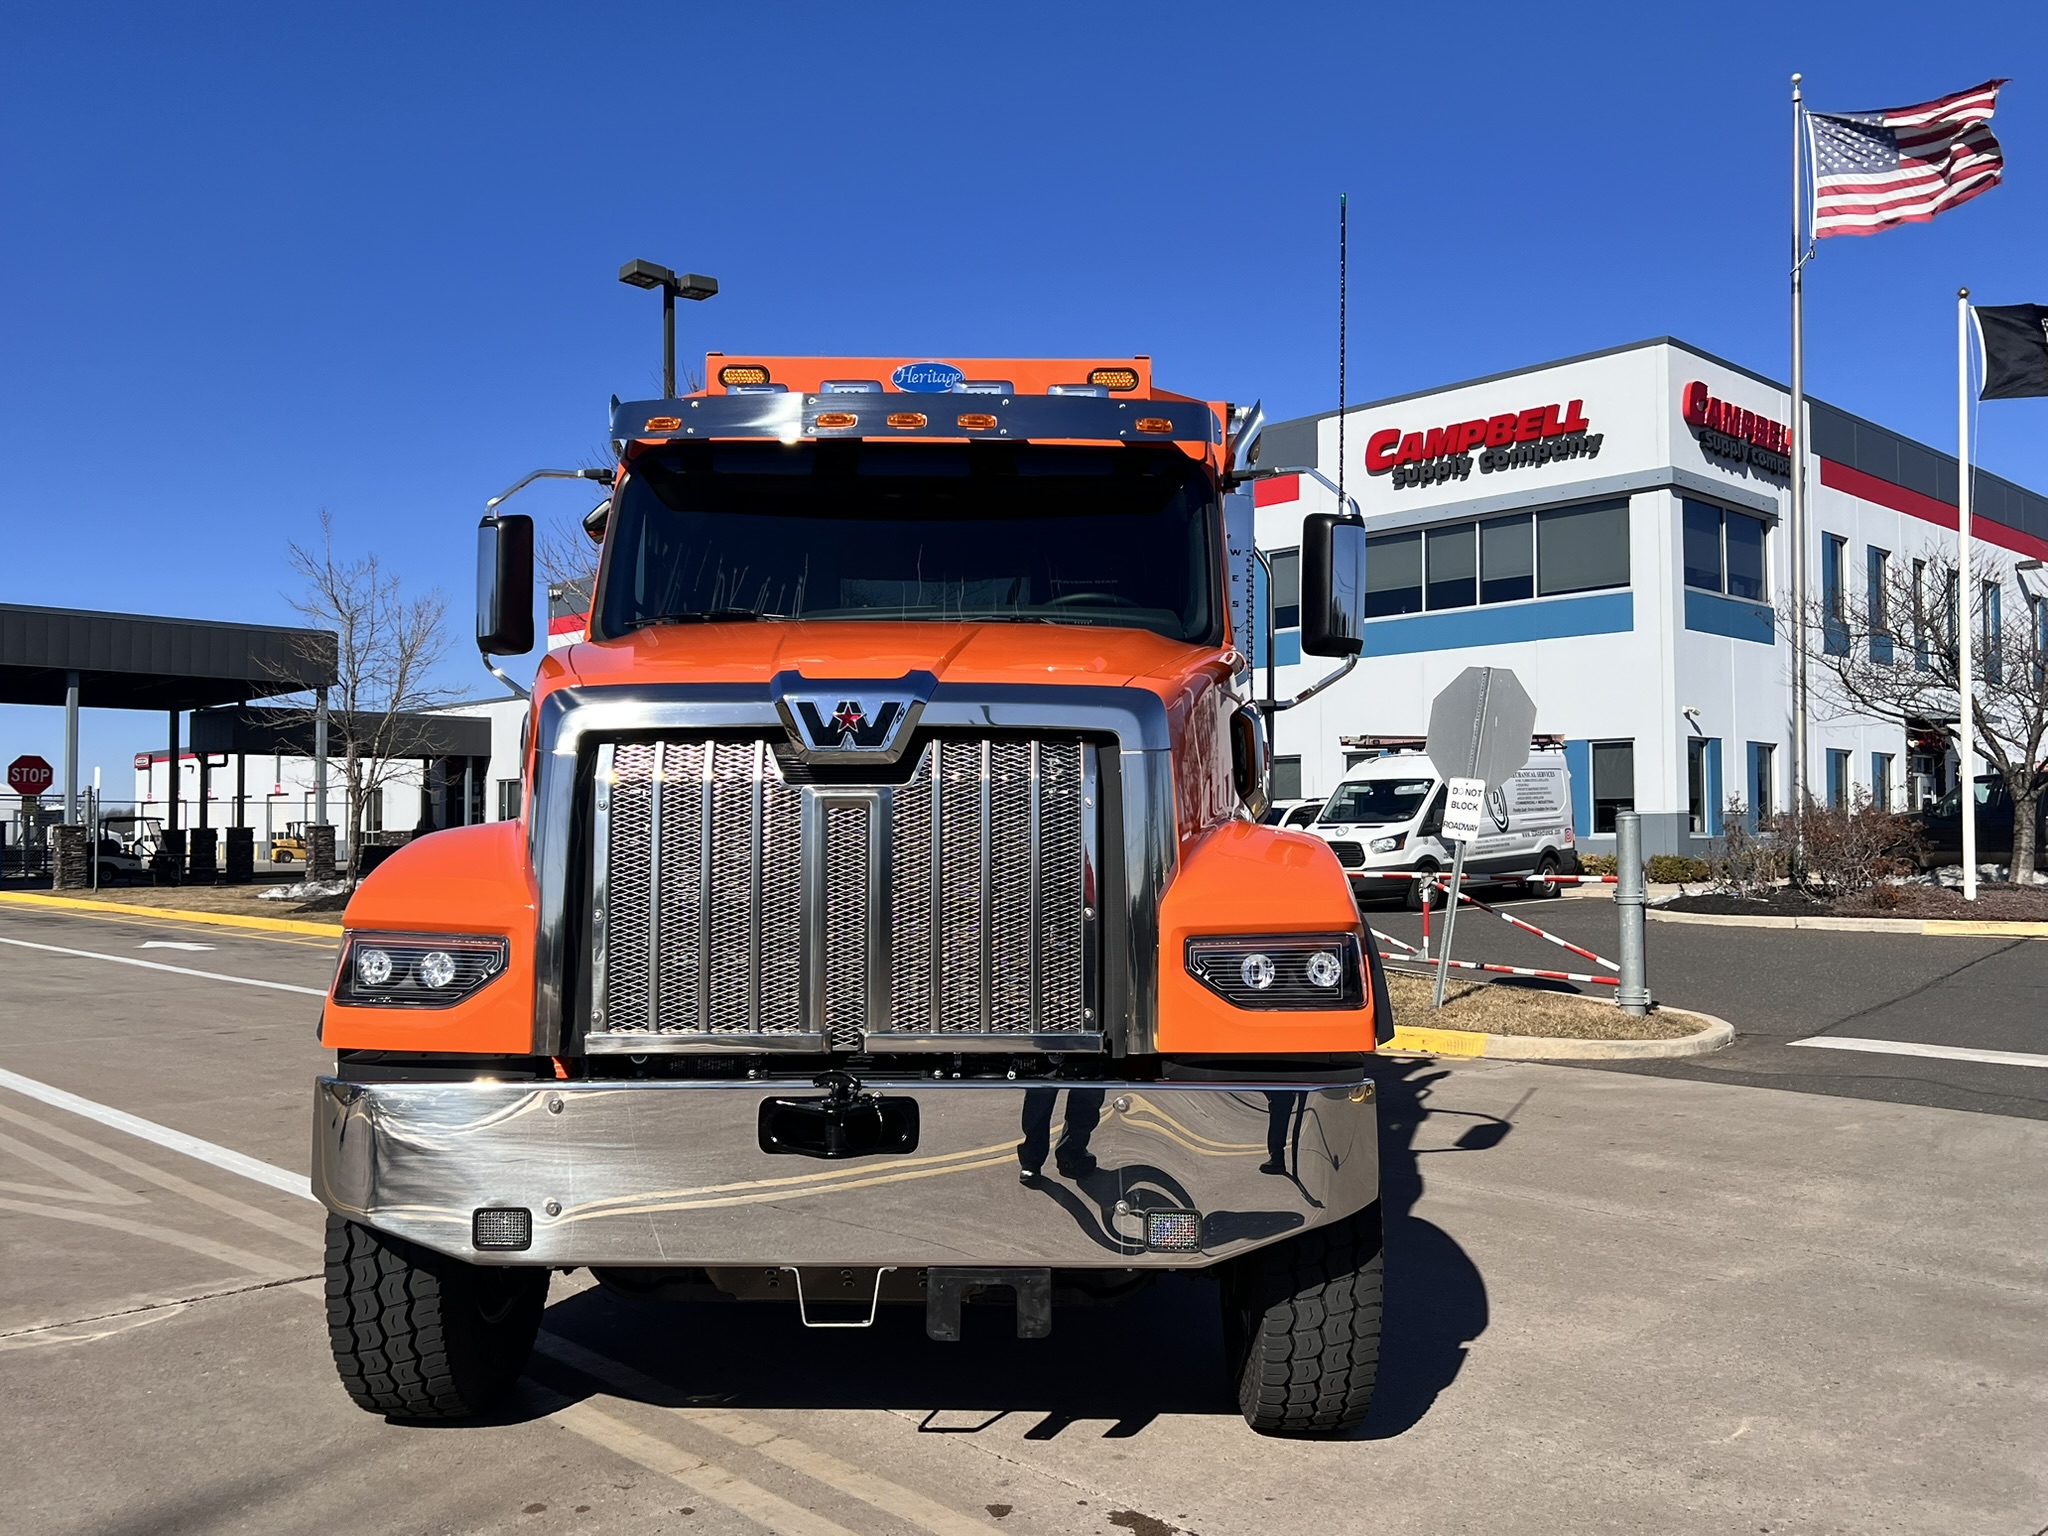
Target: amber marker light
742, 373
908, 420
1119, 379
664, 423
974, 421
837, 418
1154, 424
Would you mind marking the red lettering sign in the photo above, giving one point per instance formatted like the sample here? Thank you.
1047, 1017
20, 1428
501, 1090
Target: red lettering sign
1703, 412
1391, 447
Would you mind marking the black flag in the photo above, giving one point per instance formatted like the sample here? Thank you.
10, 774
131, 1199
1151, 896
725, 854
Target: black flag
2015, 340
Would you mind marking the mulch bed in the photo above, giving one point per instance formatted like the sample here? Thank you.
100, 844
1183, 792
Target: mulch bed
1916, 903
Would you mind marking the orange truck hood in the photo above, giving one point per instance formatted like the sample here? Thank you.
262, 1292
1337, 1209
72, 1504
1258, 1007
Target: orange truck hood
876, 650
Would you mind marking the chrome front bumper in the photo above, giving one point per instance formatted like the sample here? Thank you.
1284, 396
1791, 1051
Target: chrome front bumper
671, 1173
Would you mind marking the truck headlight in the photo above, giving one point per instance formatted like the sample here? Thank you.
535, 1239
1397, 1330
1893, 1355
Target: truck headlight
1388, 844
1321, 971
415, 970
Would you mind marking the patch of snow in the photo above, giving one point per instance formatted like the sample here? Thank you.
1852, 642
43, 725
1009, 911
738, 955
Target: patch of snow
305, 890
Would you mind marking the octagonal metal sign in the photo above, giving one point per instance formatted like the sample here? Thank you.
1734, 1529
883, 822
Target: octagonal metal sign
1479, 726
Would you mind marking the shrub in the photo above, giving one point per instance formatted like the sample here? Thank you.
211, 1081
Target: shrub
1676, 868
1854, 847
1745, 862
1598, 863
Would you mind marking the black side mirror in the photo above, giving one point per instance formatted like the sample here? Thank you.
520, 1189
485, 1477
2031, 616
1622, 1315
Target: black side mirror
1332, 585
1248, 759
504, 585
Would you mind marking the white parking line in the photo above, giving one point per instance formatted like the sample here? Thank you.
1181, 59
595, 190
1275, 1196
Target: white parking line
1914, 1048
148, 1130
175, 970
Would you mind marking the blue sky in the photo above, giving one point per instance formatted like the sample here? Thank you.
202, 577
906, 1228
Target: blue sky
266, 260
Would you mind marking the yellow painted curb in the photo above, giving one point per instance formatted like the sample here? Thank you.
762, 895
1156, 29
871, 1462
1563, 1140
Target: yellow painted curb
1437, 1042
1963, 928
175, 914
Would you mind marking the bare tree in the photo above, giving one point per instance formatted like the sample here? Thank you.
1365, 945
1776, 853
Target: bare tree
388, 645
1894, 653
565, 550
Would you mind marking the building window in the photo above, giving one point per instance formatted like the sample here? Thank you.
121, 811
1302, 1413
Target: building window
508, 799
1877, 584
1614, 781
1994, 633
1581, 548
1834, 620
1763, 779
1724, 551
1507, 560
373, 811
1696, 796
1453, 556
1881, 780
1838, 777
1393, 574
1286, 588
2039, 607
1919, 615
1286, 778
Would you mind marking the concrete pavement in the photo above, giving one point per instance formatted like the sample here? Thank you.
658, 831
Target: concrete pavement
1617, 1303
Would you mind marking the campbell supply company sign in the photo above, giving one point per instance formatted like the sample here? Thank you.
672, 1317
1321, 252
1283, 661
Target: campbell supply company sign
1738, 437
1542, 434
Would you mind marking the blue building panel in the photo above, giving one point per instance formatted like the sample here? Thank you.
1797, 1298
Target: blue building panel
1578, 762
1605, 613
1712, 614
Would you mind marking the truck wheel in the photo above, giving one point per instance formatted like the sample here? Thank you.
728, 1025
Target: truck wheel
1301, 1323
417, 1335
1547, 865
1416, 888
282, 856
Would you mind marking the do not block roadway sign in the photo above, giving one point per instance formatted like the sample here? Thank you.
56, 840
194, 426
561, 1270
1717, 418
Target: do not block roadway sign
1464, 809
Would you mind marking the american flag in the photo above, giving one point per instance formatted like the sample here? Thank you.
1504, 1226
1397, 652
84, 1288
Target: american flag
1902, 165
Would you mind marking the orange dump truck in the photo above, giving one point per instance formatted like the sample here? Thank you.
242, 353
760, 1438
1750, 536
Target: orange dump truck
889, 921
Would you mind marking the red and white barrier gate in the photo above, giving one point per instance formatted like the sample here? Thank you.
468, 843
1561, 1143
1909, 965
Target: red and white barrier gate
1435, 881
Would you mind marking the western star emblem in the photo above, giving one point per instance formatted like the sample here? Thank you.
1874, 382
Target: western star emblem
876, 724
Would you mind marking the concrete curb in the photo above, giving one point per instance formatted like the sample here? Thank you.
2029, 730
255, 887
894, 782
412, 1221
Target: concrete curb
1711, 1036
1931, 927
174, 914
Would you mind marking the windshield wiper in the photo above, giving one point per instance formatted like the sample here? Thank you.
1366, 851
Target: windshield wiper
711, 616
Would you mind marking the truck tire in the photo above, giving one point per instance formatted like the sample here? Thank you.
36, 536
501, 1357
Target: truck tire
1417, 888
418, 1335
1301, 1324
1547, 865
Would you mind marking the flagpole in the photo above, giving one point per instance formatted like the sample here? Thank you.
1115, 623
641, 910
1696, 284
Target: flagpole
1966, 751
1798, 479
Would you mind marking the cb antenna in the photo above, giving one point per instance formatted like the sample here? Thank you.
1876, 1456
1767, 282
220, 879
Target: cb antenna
1343, 243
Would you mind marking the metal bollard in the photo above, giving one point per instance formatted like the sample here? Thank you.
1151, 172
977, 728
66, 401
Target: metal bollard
1629, 900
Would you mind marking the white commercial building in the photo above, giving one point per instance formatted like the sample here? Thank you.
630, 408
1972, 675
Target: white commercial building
1615, 529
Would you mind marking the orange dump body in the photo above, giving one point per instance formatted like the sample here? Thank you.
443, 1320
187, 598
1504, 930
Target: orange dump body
1229, 876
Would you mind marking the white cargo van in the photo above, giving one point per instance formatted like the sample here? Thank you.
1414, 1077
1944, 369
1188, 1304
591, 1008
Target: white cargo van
1388, 814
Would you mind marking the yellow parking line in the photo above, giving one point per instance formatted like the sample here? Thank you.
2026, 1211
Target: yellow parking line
27, 900
176, 920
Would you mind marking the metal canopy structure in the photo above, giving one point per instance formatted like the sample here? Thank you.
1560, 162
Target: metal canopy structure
81, 659
260, 732
140, 661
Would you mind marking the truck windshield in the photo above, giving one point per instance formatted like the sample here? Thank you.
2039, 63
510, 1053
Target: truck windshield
1121, 536
1378, 801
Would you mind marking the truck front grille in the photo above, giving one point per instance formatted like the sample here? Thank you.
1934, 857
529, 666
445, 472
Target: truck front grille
737, 911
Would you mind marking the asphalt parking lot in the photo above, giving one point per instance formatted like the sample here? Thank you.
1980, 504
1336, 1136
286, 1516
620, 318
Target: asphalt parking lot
1781, 985
1682, 1301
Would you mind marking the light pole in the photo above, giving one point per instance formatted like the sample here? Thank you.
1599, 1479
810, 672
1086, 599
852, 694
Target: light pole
645, 274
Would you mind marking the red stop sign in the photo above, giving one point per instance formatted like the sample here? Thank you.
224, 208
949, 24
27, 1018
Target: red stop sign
30, 775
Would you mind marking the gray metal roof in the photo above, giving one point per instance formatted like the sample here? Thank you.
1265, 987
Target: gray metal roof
140, 661
1877, 451
260, 732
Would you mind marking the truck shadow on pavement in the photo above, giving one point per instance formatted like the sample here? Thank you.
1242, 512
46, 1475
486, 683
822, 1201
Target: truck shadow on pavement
1119, 1365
